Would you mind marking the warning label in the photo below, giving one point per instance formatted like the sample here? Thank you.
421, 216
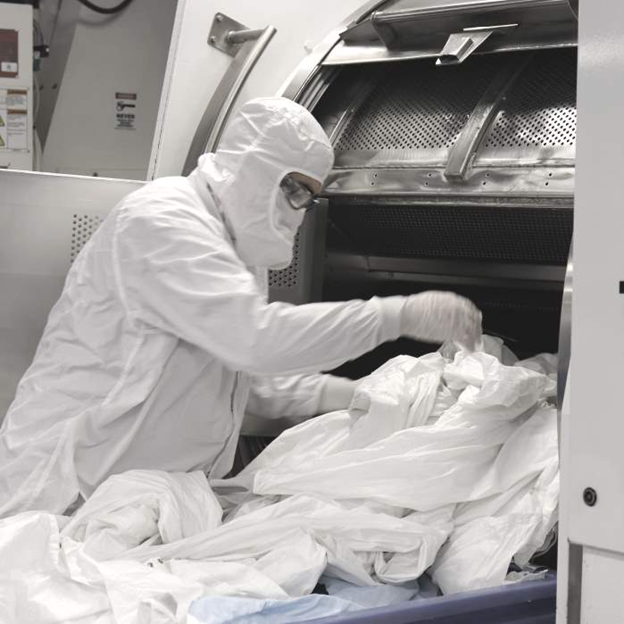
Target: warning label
17, 99
14, 131
125, 110
17, 129
3, 116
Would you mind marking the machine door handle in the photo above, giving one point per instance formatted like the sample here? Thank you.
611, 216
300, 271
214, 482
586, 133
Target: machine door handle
247, 47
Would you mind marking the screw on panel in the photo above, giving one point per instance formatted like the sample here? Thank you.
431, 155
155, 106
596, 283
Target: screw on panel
590, 497
213, 39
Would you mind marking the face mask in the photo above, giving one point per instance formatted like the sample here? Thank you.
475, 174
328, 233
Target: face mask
286, 224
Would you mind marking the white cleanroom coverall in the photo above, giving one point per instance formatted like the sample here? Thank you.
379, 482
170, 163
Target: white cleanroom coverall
163, 327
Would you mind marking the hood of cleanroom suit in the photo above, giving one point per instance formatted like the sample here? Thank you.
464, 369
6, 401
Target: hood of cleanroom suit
266, 140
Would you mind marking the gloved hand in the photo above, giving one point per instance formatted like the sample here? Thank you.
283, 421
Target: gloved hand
436, 316
336, 394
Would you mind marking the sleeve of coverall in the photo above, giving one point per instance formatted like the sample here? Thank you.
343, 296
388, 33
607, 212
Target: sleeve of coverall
277, 396
178, 273
279, 402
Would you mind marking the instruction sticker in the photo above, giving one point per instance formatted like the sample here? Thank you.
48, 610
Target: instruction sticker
17, 130
3, 119
125, 110
17, 99
14, 131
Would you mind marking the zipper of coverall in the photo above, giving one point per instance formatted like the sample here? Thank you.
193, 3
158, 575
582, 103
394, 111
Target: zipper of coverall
233, 396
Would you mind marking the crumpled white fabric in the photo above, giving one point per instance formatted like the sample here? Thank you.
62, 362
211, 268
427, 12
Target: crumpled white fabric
471, 435
443, 465
139, 505
314, 535
380, 456
430, 450
52, 580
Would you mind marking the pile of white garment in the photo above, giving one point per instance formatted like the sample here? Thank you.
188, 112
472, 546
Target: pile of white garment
443, 465
459, 457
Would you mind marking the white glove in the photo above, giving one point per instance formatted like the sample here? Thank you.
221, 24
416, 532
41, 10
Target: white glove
435, 316
336, 394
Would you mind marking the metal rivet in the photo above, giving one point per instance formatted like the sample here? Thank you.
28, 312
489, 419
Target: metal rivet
219, 17
590, 497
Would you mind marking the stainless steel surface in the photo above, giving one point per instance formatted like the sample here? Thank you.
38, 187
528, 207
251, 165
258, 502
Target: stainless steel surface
481, 117
537, 121
448, 271
485, 185
518, 236
596, 427
413, 24
83, 227
317, 87
310, 67
407, 10
500, 113
220, 106
575, 583
376, 52
565, 338
460, 46
43, 219
221, 31
240, 36
414, 115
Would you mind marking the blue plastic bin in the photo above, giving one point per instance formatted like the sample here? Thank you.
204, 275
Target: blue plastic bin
532, 602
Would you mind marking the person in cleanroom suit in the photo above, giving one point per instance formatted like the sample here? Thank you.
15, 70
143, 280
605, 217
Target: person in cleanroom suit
163, 336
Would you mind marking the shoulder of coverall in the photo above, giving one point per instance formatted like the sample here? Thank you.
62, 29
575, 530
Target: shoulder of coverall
167, 204
155, 220
168, 196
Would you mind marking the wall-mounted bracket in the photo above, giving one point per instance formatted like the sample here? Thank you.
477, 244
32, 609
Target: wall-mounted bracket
228, 35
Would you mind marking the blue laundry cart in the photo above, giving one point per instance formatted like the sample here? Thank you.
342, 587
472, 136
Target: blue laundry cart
533, 602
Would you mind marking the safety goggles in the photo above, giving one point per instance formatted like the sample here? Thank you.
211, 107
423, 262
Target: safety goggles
298, 194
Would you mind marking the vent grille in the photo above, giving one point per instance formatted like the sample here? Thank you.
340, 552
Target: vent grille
419, 106
511, 235
540, 110
289, 277
83, 227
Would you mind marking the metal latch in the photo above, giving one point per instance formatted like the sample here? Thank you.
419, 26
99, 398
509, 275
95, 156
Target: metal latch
460, 46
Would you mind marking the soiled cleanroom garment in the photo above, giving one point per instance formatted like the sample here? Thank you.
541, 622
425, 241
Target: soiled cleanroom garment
163, 325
